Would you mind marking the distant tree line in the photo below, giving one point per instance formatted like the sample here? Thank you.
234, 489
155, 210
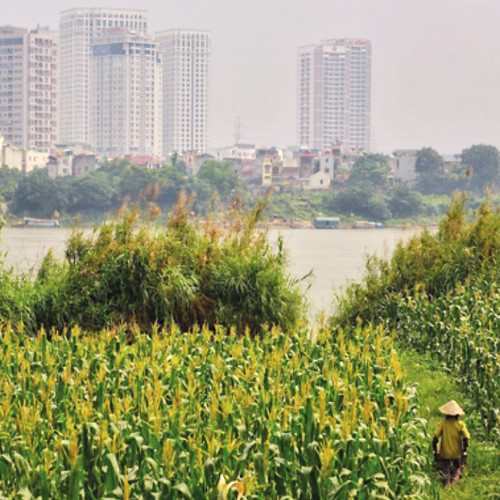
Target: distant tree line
477, 169
370, 192
107, 188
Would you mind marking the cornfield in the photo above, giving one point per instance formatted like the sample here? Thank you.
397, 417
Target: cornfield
208, 414
460, 330
439, 293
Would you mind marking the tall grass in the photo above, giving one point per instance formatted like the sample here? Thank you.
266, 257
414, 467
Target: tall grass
15, 295
440, 295
129, 271
432, 262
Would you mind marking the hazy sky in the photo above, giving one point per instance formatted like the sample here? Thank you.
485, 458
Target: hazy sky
435, 68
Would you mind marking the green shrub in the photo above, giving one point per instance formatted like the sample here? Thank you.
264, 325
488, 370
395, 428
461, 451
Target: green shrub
434, 262
187, 273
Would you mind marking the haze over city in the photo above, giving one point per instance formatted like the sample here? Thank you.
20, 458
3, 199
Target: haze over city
435, 66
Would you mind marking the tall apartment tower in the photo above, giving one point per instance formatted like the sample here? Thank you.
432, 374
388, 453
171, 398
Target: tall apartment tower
126, 94
334, 94
79, 28
29, 86
186, 84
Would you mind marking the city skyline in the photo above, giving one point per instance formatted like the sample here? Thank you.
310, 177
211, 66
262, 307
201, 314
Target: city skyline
435, 70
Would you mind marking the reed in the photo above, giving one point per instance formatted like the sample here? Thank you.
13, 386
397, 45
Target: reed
129, 271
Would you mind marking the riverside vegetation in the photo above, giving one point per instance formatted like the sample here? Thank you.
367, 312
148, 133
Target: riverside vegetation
439, 296
163, 363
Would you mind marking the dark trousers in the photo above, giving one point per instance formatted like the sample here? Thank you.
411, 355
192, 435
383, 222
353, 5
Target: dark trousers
450, 469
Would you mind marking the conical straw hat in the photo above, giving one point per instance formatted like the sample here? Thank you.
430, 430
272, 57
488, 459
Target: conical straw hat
451, 408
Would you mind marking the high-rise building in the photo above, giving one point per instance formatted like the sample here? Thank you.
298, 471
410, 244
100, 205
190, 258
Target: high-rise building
186, 84
334, 94
29, 86
126, 94
79, 28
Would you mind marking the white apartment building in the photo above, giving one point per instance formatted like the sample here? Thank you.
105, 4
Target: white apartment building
334, 94
186, 84
79, 28
126, 94
29, 86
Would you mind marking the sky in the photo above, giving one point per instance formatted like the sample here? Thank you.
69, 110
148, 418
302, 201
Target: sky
435, 63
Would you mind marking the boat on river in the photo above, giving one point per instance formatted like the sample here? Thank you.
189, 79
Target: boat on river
364, 224
326, 222
32, 222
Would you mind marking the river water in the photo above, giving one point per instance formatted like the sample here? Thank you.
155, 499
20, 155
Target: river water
335, 257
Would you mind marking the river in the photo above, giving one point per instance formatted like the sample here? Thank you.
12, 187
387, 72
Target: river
335, 257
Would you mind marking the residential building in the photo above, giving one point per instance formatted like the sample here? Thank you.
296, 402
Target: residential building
84, 164
334, 94
319, 181
126, 94
79, 29
267, 171
11, 156
186, 84
60, 166
21, 159
67, 163
307, 162
327, 163
403, 165
29, 86
238, 152
34, 158
290, 171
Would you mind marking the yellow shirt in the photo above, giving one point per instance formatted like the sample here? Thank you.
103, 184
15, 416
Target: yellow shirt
451, 430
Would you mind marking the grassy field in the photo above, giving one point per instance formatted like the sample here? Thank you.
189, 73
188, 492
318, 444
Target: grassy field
481, 479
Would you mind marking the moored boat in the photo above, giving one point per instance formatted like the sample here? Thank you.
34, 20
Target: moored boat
326, 222
32, 222
364, 224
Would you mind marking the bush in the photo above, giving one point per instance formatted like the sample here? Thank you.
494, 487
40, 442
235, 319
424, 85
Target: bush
363, 201
188, 273
404, 201
432, 262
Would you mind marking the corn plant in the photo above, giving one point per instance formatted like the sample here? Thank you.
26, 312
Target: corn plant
208, 414
460, 330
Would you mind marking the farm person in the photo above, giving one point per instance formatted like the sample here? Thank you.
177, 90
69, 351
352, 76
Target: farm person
454, 442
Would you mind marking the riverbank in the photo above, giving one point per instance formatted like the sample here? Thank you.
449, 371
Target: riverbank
324, 261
